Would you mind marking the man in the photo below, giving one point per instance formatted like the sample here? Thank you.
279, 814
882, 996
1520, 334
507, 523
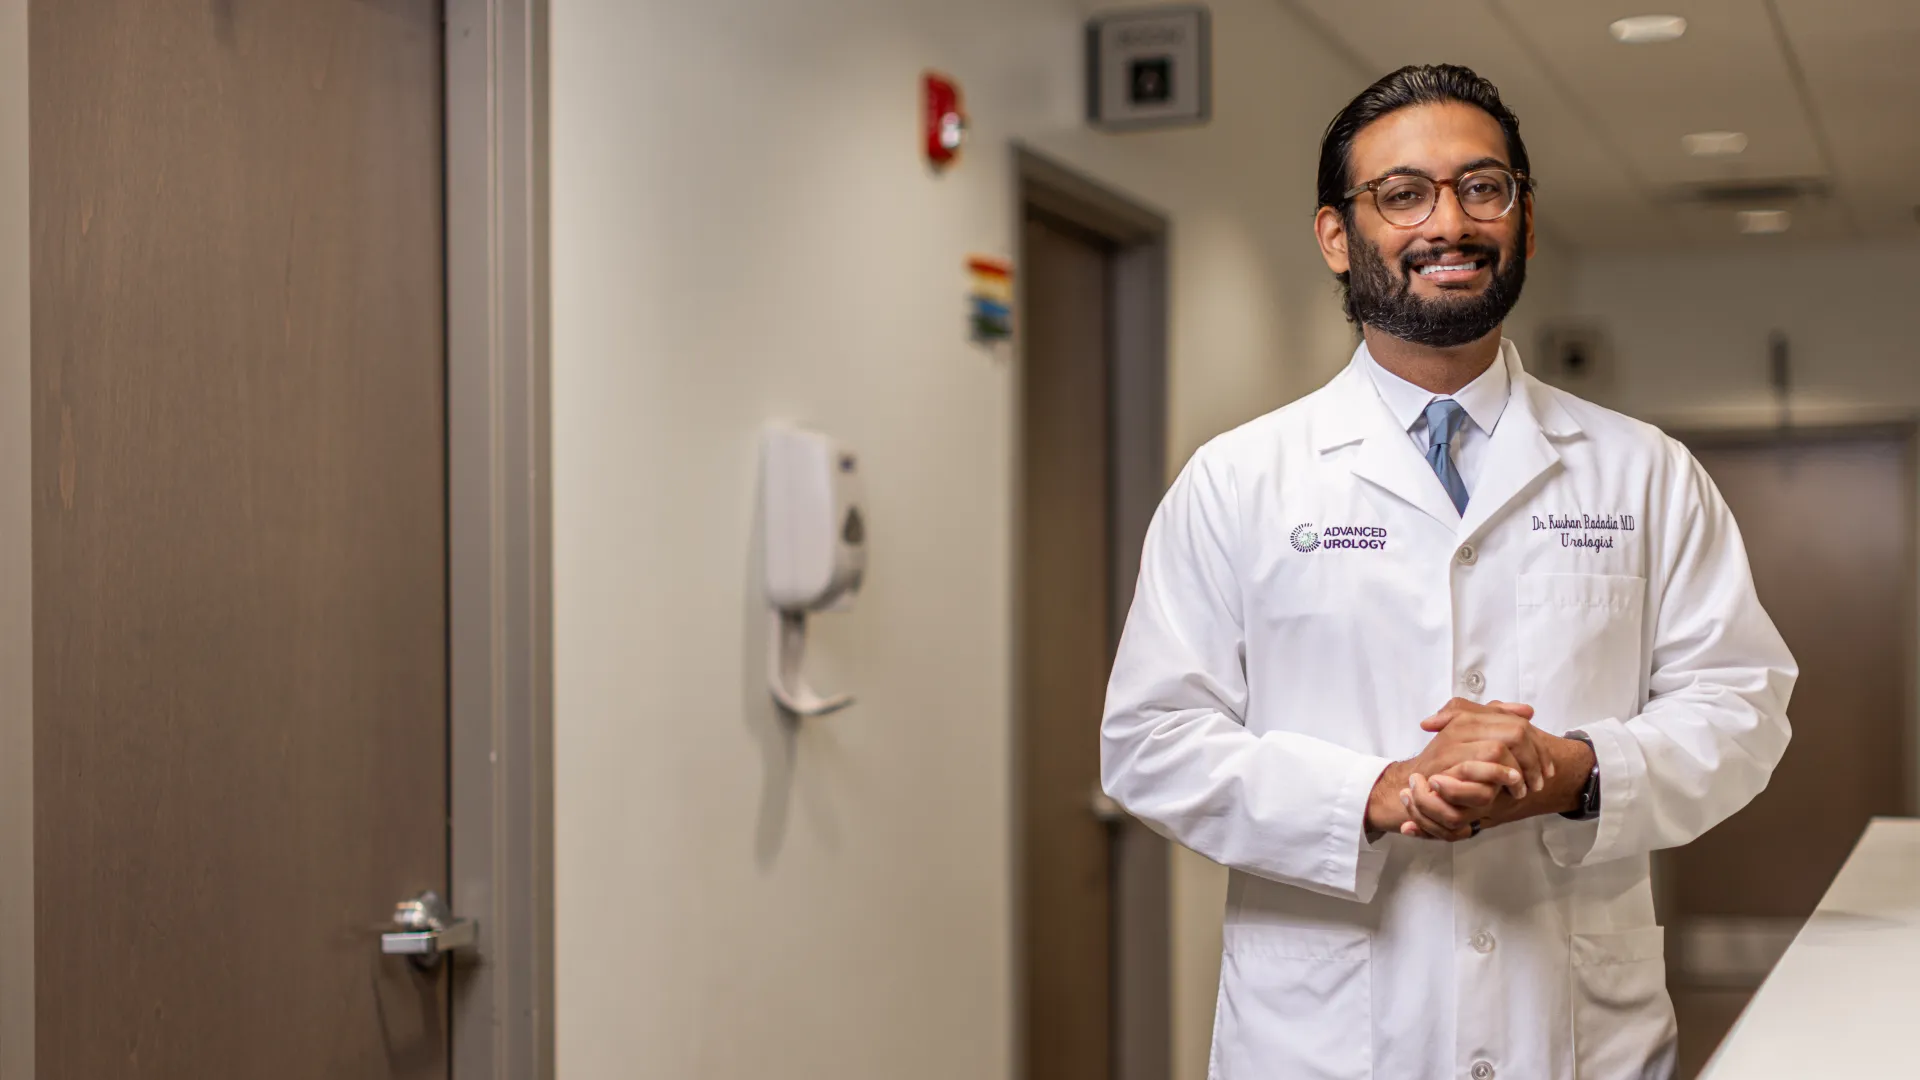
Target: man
1438, 600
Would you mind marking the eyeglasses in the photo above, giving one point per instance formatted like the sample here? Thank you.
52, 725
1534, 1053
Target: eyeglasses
1407, 200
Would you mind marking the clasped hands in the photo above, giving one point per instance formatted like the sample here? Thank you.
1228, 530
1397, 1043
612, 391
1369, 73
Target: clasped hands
1486, 765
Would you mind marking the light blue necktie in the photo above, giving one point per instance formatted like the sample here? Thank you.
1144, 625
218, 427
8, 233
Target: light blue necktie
1444, 420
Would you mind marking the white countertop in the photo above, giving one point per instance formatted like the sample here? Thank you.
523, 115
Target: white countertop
1845, 999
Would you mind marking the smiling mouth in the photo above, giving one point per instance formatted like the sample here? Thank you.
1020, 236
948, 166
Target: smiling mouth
1452, 271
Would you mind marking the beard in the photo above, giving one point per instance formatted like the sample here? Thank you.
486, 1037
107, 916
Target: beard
1380, 297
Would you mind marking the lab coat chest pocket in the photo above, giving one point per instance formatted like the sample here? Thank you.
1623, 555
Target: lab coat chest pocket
1623, 1023
1579, 647
1295, 1002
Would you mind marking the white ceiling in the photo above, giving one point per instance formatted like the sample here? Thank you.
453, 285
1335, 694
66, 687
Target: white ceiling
1826, 90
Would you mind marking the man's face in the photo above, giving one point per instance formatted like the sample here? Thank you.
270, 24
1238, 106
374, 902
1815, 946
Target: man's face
1397, 277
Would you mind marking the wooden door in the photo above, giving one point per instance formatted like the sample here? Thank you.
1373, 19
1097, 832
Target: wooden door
1065, 578
1829, 527
240, 636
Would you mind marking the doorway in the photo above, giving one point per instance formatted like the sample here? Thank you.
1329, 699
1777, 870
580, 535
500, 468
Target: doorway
276, 691
1094, 906
1828, 516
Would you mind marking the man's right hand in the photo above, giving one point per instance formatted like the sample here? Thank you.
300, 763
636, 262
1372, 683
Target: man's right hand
1490, 744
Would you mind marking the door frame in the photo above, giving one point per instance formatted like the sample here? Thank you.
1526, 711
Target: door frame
16, 557
1141, 1013
499, 521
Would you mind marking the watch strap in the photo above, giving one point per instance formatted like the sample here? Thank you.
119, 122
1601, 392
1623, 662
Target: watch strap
1589, 807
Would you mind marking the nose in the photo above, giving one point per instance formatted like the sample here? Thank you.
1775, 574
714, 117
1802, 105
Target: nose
1449, 220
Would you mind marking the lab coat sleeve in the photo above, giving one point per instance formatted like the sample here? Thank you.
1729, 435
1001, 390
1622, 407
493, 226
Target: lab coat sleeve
1174, 747
1715, 721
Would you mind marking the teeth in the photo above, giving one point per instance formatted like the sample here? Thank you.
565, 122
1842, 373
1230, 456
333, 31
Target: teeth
1436, 268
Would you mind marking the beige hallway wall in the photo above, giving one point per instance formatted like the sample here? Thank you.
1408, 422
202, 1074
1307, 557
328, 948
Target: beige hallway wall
1689, 331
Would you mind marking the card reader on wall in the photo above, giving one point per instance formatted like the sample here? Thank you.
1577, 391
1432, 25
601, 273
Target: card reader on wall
816, 545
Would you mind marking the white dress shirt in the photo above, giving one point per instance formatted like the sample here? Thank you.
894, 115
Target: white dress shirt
1484, 399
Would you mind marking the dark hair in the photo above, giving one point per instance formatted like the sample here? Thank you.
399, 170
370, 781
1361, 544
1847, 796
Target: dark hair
1428, 84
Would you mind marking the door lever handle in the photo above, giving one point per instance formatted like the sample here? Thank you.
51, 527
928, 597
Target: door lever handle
426, 930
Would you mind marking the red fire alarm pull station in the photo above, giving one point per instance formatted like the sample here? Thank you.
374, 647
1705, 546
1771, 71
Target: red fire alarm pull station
946, 120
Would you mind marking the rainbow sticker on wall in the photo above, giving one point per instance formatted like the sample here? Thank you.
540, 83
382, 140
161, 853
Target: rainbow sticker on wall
992, 299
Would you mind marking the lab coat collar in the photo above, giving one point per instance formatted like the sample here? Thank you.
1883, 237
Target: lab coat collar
1519, 453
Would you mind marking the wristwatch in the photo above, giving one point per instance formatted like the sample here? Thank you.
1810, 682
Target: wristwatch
1589, 805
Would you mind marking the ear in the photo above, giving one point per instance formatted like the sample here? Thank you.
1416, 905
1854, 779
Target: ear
1529, 220
1330, 228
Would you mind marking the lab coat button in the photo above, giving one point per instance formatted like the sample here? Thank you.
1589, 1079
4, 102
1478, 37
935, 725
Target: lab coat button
1483, 942
1474, 682
1482, 1070
1466, 555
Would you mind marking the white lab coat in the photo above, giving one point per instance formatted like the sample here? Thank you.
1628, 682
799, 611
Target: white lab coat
1307, 595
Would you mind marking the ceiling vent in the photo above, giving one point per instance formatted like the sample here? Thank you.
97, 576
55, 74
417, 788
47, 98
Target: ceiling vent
1737, 193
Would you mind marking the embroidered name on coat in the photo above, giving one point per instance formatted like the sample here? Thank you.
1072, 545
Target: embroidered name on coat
1591, 531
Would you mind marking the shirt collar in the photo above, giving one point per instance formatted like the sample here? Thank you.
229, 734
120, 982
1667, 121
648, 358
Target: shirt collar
1484, 399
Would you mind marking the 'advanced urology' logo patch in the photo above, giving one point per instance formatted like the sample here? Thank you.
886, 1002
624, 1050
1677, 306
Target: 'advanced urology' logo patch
1359, 537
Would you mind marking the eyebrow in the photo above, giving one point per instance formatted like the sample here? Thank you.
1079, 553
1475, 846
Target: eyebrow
1477, 163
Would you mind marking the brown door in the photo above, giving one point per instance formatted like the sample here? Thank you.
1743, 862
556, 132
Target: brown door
1064, 657
1829, 527
239, 535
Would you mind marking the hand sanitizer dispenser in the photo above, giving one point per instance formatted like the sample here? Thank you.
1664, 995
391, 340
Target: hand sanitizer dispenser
816, 548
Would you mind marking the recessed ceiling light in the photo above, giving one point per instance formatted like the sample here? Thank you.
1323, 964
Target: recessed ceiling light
1764, 222
1714, 143
1648, 29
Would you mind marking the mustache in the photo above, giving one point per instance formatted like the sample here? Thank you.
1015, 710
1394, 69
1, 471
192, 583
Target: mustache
1412, 261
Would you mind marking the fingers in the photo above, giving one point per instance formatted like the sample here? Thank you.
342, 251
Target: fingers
1428, 803
1506, 725
1466, 794
1493, 774
1532, 763
1459, 707
1448, 713
1417, 825
1496, 753
1497, 732
1434, 814
1528, 752
1535, 755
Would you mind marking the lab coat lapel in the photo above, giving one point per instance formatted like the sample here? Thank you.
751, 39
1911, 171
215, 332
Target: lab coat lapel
1386, 458
1521, 451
